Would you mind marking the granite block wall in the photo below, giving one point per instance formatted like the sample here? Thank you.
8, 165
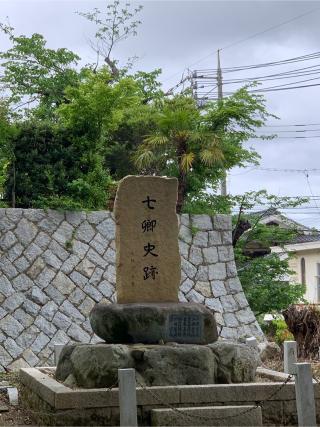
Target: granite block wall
55, 266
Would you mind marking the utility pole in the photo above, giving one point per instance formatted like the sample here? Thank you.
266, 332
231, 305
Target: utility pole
220, 96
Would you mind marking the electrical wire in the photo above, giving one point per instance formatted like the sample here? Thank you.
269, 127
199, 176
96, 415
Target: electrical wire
270, 28
301, 58
311, 192
304, 124
297, 131
286, 137
243, 40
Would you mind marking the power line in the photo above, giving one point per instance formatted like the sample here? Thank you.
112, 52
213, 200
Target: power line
288, 170
241, 41
204, 79
296, 131
305, 124
286, 137
280, 88
301, 58
309, 185
271, 28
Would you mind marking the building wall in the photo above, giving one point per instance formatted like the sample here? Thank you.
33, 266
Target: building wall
312, 258
55, 266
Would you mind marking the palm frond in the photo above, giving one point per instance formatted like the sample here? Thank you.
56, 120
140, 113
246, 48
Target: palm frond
212, 155
183, 135
156, 140
204, 136
143, 158
186, 161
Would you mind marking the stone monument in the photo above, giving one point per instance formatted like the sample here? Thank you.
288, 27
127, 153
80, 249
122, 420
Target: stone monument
147, 251
149, 270
166, 341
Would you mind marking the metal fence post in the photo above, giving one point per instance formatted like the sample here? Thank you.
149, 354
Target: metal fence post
305, 395
127, 397
289, 356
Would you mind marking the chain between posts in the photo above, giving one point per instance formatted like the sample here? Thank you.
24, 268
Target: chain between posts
202, 417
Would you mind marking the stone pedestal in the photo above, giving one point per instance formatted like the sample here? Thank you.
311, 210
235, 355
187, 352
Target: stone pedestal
151, 323
96, 365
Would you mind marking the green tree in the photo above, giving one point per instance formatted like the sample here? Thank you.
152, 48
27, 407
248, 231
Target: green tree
5, 148
95, 106
34, 74
52, 168
265, 281
198, 146
180, 139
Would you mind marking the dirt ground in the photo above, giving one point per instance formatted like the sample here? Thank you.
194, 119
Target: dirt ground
16, 415
19, 416
277, 365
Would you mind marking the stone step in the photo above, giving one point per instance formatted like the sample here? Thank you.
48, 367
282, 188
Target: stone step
248, 415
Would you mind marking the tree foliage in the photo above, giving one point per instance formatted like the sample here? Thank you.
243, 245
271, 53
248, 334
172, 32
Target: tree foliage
265, 279
266, 284
34, 74
179, 141
5, 149
53, 168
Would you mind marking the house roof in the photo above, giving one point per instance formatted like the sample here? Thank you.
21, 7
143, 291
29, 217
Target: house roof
274, 215
305, 238
305, 234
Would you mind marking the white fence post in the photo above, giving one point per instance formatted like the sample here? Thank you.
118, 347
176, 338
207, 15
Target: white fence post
127, 397
305, 395
289, 356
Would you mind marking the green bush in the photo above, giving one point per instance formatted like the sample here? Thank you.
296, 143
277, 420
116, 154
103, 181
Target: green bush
53, 167
278, 330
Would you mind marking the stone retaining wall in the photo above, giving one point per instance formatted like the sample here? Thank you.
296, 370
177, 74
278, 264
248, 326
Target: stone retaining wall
54, 267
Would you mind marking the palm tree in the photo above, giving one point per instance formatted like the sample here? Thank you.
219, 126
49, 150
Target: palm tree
180, 139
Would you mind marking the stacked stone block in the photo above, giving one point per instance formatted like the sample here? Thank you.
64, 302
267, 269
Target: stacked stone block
54, 267
209, 274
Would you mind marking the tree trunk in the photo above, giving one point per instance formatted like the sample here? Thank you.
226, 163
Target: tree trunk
182, 187
182, 178
113, 68
13, 194
241, 227
304, 323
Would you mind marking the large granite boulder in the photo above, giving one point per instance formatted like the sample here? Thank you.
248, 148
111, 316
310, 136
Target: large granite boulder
92, 366
175, 364
96, 365
237, 363
150, 323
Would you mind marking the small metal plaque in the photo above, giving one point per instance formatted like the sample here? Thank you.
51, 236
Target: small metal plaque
185, 326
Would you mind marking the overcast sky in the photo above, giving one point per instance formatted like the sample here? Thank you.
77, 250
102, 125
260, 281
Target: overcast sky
176, 35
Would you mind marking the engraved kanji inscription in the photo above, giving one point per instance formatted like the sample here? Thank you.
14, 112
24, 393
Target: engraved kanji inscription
148, 225
185, 326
